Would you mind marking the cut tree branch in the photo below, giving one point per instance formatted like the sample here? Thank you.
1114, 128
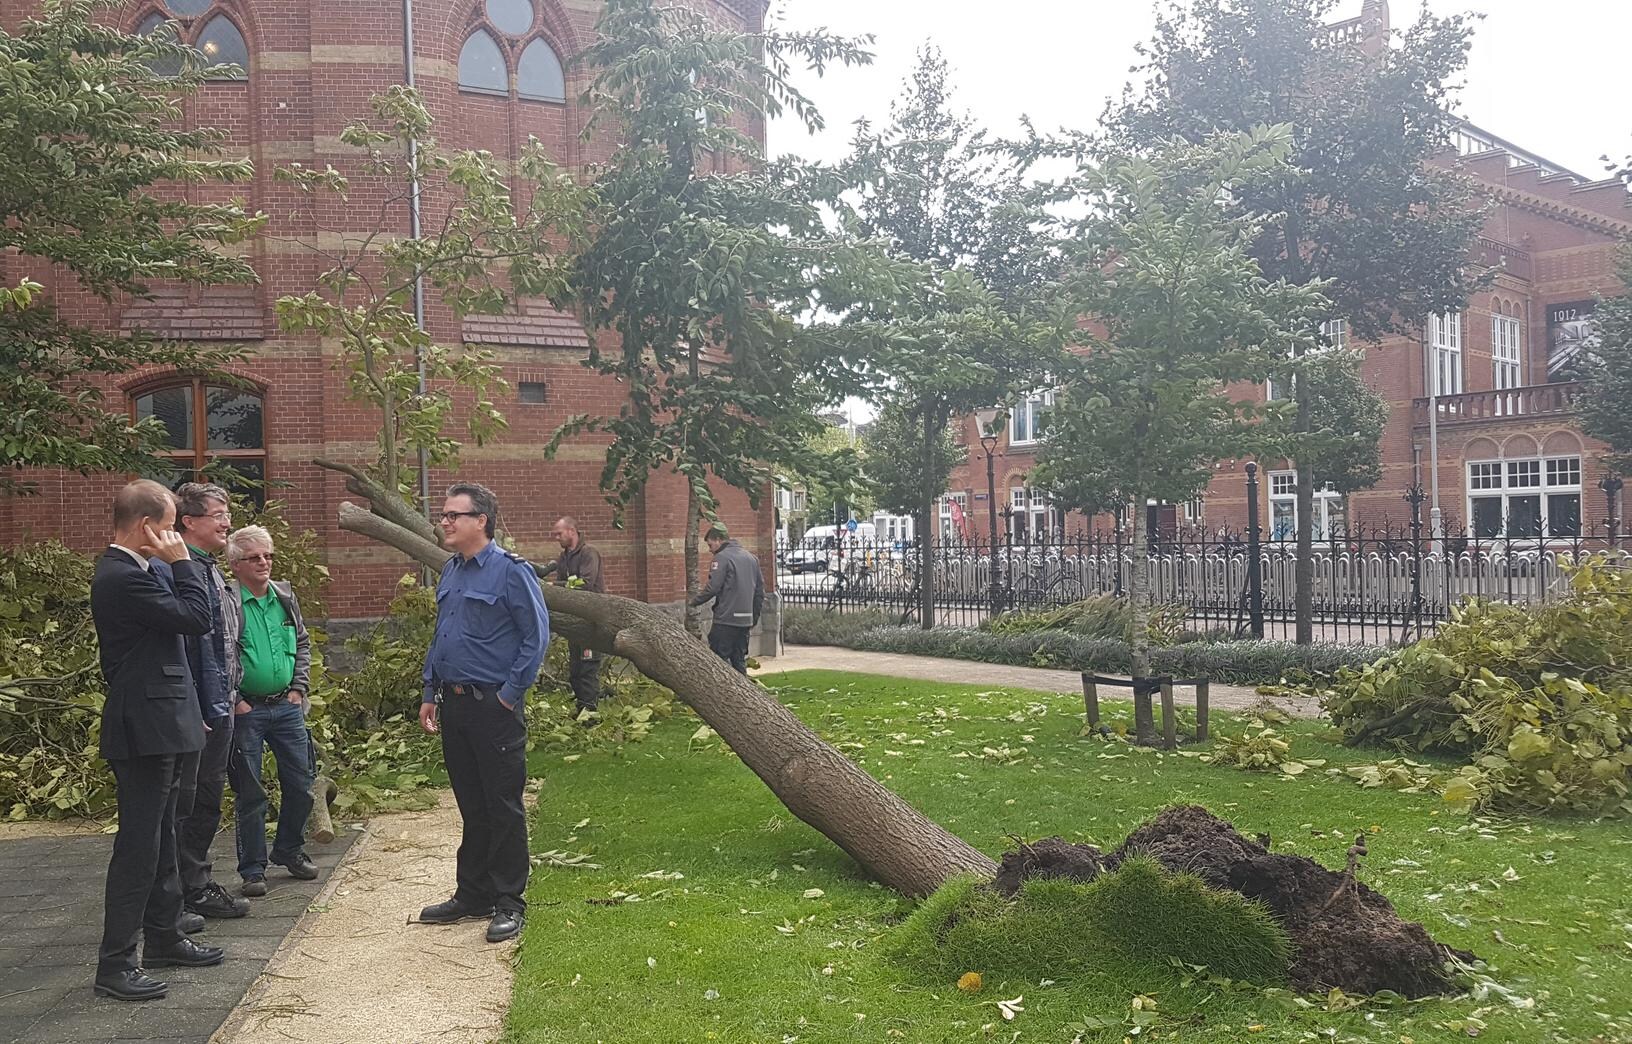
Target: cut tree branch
892, 841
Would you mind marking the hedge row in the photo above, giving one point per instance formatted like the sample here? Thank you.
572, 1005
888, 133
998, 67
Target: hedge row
1239, 662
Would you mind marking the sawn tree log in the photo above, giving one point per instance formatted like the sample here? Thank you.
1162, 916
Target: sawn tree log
892, 841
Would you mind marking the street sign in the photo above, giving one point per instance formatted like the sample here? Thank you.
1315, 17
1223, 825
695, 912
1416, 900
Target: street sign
851, 525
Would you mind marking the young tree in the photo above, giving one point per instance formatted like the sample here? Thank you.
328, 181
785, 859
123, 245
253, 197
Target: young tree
897, 466
1359, 206
1608, 379
701, 259
481, 255
932, 185
90, 160
840, 485
1180, 309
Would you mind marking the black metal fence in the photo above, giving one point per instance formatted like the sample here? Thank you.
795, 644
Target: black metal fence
1371, 586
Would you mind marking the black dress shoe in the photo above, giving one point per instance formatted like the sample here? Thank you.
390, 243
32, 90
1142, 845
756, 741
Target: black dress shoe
255, 885
505, 925
213, 901
299, 866
130, 985
184, 954
190, 923
452, 912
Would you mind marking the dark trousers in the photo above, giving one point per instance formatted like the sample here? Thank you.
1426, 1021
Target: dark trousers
730, 643
281, 726
485, 748
199, 814
143, 894
584, 676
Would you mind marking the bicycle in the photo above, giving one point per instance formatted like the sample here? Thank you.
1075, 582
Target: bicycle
842, 587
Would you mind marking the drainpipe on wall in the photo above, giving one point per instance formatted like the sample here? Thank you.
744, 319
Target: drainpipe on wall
414, 231
1435, 530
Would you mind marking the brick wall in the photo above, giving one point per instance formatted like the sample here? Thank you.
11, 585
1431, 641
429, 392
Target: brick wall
1559, 236
312, 68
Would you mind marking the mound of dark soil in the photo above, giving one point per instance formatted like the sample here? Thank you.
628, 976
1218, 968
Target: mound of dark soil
1050, 857
1344, 933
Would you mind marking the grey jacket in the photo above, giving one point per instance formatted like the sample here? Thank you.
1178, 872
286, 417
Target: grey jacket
303, 640
736, 586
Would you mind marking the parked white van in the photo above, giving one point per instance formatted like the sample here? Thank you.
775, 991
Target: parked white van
821, 548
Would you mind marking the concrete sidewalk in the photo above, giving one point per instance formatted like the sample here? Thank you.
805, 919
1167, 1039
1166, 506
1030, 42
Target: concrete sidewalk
994, 675
51, 920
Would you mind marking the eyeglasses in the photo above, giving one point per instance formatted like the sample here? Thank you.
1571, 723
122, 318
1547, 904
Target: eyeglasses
263, 557
449, 516
219, 516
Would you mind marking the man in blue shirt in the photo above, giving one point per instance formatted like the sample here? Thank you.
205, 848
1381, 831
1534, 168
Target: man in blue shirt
491, 633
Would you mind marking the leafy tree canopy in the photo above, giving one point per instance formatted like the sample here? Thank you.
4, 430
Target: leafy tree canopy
707, 263
1605, 413
91, 162
1358, 202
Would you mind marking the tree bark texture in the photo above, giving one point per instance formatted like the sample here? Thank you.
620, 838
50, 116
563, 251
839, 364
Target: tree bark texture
891, 840
1303, 568
694, 510
1144, 718
926, 530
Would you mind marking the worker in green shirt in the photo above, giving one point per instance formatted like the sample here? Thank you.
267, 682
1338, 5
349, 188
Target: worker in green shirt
275, 652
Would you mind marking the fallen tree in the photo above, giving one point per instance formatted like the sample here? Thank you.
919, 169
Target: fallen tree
892, 841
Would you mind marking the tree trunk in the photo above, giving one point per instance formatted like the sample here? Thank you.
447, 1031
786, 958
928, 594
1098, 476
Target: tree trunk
694, 511
1144, 718
1303, 569
892, 841
926, 532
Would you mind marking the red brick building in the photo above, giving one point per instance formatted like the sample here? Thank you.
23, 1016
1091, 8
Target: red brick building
492, 72
1500, 445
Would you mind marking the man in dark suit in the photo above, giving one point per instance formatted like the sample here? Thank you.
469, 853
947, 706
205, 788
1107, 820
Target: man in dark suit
151, 735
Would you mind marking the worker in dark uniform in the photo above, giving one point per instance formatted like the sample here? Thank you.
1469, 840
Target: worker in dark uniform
582, 562
737, 589
491, 633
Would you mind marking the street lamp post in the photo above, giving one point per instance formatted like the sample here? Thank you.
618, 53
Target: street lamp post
989, 421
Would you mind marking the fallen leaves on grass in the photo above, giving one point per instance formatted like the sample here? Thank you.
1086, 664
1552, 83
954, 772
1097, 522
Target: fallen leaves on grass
575, 860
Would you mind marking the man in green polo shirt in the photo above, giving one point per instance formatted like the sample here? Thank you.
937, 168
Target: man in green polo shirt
275, 653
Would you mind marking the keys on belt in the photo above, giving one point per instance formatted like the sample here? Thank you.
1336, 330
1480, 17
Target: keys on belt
465, 690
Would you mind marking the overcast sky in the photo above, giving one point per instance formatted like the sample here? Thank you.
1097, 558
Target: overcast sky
1546, 76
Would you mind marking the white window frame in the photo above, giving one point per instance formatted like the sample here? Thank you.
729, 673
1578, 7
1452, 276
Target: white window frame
1034, 507
1445, 354
1331, 508
1542, 477
1506, 352
1024, 420
948, 529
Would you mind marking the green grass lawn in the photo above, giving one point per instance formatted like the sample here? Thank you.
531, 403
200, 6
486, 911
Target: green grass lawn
715, 915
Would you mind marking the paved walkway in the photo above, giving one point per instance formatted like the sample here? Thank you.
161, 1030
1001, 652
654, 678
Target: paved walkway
51, 922
355, 973
968, 672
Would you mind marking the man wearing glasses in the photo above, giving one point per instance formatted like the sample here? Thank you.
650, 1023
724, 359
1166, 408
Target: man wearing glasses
491, 633
275, 652
203, 519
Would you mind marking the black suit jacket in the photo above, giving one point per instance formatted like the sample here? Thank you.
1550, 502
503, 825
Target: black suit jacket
151, 706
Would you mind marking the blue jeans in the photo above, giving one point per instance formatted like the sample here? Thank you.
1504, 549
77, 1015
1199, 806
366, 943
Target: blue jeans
281, 726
